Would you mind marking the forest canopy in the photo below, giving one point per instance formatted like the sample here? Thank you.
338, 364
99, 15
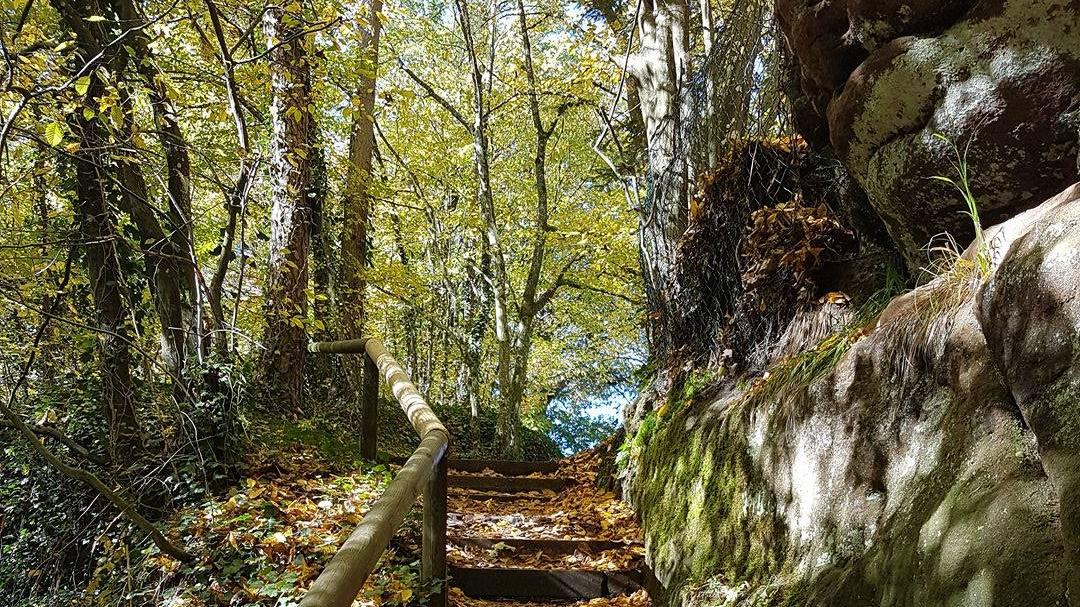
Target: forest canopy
193, 191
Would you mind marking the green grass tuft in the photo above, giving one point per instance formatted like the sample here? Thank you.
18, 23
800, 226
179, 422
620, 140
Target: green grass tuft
962, 183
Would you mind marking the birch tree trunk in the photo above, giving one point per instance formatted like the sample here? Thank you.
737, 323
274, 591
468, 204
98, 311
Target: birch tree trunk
660, 67
290, 215
357, 202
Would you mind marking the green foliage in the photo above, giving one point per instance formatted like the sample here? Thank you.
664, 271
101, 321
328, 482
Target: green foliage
49, 522
573, 428
400, 585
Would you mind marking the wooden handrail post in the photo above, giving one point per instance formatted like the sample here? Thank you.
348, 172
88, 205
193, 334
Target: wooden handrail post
369, 420
433, 565
424, 472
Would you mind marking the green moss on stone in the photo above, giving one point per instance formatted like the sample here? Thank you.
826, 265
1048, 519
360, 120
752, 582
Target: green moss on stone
694, 493
1066, 408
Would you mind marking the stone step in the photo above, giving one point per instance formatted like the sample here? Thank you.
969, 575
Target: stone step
547, 546
543, 584
505, 468
506, 484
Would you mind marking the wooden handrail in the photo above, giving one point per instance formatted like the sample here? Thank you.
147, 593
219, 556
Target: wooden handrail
424, 471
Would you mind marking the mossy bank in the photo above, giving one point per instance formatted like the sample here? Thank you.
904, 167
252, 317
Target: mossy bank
937, 463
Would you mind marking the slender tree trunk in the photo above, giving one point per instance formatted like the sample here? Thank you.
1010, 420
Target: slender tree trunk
481, 158
178, 186
322, 250
234, 200
290, 215
710, 87
636, 122
476, 317
357, 201
659, 67
97, 228
166, 267
514, 389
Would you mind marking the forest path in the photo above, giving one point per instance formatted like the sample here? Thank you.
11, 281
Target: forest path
540, 533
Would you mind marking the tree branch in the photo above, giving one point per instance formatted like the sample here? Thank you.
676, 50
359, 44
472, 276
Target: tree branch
573, 284
544, 298
437, 97
62, 438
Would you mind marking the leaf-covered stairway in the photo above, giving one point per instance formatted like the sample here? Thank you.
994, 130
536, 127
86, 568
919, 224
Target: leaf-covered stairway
540, 532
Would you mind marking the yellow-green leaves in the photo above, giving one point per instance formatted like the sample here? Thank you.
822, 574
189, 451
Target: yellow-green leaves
54, 133
82, 85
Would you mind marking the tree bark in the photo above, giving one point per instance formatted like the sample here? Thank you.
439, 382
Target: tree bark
660, 67
322, 251
97, 228
290, 215
178, 190
357, 201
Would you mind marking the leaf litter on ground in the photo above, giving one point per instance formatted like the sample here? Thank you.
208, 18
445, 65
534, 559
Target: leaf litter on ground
266, 539
637, 599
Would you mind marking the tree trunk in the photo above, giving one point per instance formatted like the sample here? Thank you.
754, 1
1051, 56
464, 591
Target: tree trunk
178, 186
635, 121
234, 200
166, 268
357, 201
482, 162
97, 228
102, 255
475, 318
710, 89
322, 250
659, 67
290, 215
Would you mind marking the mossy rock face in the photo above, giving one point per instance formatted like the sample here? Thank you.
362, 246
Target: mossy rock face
886, 75
1030, 311
935, 465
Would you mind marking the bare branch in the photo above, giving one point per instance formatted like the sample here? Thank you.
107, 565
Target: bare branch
63, 439
437, 97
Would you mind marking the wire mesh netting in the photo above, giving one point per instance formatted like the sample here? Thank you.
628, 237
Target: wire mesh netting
760, 231
735, 146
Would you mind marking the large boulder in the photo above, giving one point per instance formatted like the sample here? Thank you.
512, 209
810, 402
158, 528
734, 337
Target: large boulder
1030, 314
935, 462
1000, 78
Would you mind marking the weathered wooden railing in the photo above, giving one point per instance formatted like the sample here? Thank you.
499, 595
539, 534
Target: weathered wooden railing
424, 471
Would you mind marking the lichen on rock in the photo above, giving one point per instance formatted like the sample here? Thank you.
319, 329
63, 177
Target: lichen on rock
1000, 77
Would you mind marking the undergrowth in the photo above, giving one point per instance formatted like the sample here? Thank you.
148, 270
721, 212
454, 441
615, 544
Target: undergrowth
796, 372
